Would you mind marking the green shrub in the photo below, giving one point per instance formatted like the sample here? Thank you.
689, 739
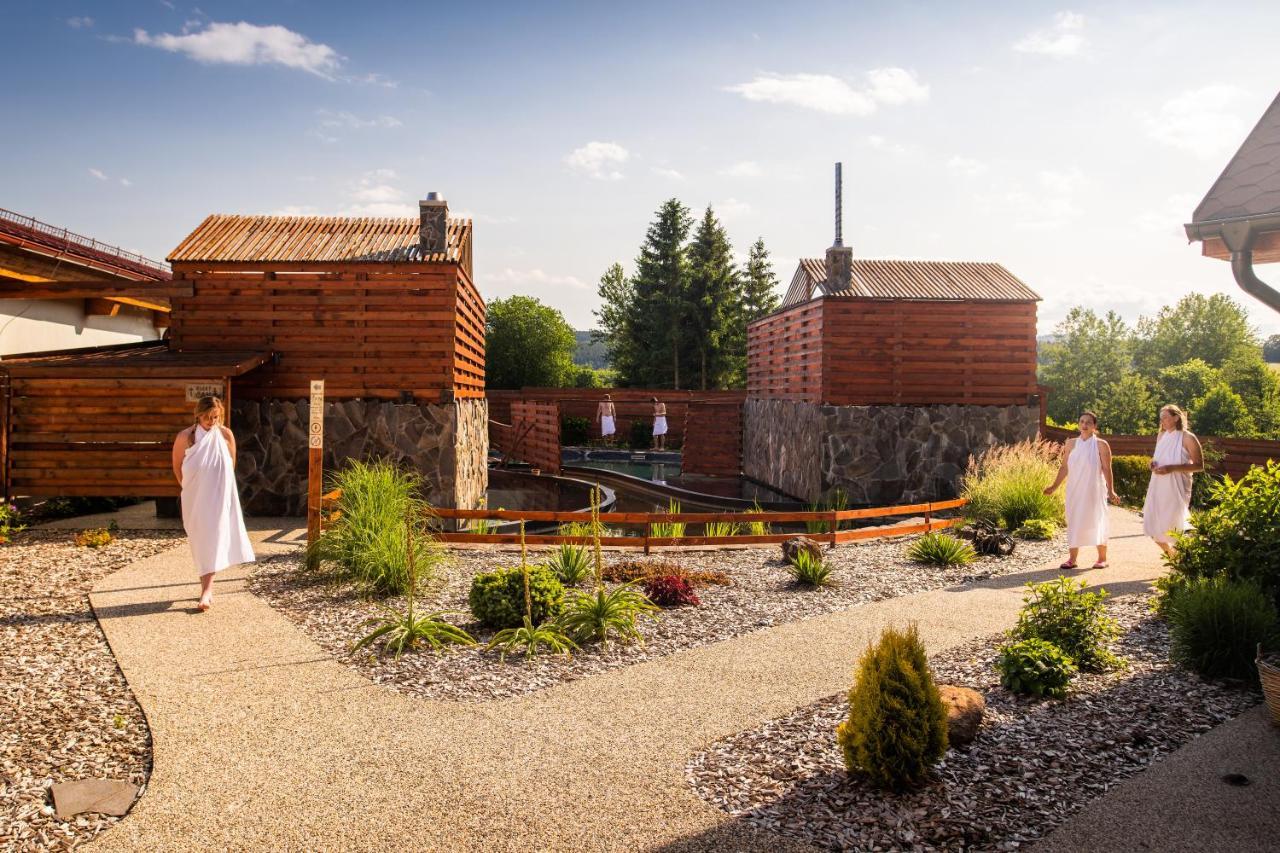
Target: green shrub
1215, 627
1061, 612
897, 724
379, 511
1131, 475
574, 431
1006, 484
570, 563
941, 549
1167, 587
640, 435
1035, 668
10, 522
1239, 536
1203, 485
1037, 529
497, 597
808, 570
596, 615
530, 638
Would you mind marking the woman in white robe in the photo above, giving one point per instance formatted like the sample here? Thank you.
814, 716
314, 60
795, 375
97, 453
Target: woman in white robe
1086, 467
1178, 455
204, 457
659, 424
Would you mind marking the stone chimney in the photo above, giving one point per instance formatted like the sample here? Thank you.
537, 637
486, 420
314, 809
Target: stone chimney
433, 219
839, 256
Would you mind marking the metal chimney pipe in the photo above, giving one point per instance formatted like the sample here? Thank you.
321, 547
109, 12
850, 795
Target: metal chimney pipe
839, 207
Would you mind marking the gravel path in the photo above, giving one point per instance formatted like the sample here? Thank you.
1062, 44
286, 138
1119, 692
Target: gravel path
761, 596
66, 712
1033, 765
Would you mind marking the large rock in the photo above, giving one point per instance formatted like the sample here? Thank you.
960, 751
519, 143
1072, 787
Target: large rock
105, 796
800, 543
965, 708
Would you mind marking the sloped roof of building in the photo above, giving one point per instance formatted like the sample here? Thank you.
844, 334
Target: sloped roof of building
900, 279
32, 235
234, 238
1249, 186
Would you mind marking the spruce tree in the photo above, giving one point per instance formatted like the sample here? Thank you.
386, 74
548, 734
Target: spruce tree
617, 305
759, 284
714, 301
659, 313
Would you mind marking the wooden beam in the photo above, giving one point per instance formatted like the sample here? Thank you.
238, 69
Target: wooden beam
140, 303
101, 308
6, 272
161, 319
93, 289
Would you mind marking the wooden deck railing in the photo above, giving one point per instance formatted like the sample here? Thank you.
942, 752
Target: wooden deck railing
830, 518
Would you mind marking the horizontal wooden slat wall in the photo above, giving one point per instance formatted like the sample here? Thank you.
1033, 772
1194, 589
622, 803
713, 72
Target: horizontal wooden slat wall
86, 437
1240, 454
784, 354
536, 427
713, 438
369, 330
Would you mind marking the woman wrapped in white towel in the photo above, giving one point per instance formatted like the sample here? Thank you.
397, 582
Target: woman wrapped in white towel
204, 461
1086, 466
1167, 509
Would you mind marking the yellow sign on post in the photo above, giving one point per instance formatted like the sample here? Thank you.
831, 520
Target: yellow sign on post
315, 460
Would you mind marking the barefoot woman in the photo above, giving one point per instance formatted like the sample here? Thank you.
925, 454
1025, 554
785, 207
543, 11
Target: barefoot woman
1086, 466
1167, 509
204, 457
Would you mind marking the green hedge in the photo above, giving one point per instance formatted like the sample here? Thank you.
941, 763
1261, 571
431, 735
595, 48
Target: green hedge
1132, 474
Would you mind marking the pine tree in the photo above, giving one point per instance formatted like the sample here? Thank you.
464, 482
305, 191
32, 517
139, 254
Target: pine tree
759, 284
714, 301
617, 305
660, 309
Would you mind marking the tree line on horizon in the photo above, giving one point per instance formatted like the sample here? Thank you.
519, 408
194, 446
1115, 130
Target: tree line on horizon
1201, 354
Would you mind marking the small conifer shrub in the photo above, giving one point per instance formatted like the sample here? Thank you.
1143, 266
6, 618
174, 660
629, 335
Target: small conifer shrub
897, 724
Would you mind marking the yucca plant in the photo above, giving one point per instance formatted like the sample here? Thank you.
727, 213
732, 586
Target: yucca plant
809, 570
669, 529
758, 528
723, 528
941, 549
571, 563
396, 630
595, 616
529, 637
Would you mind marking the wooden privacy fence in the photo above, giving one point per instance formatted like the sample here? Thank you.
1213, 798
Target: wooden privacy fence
713, 438
1239, 454
647, 520
535, 426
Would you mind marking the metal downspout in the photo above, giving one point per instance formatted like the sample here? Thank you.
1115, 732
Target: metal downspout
1238, 237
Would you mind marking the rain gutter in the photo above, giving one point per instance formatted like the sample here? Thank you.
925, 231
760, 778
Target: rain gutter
1238, 236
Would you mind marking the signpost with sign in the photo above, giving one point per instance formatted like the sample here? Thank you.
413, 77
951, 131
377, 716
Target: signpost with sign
315, 460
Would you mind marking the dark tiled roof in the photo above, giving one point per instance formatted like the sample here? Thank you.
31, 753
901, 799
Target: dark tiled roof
1250, 185
925, 280
229, 238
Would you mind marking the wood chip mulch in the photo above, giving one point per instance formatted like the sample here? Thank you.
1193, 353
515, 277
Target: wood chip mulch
66, 712
762, 595
1034, 763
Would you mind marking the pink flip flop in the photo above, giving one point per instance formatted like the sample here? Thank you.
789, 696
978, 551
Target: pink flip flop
1099, 565
1069, 565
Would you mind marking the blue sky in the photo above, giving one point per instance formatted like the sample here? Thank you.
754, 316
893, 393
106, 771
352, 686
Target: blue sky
1068, 142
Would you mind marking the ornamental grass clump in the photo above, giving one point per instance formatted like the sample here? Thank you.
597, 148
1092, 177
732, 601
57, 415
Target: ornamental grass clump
1006, 484
1061, 612
897, 725
400, 630
1035, 668
598, 615
1215, 626
378, 512
808, 570
669, 529
941, 549
571, 564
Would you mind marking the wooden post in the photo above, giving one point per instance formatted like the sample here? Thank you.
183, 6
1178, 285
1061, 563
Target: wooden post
315, 461
647, 526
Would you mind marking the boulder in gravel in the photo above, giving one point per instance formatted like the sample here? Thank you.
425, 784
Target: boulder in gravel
107, 796
797, 544
964, 713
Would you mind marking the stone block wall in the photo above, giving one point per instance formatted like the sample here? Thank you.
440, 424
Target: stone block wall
447, 443
876, 454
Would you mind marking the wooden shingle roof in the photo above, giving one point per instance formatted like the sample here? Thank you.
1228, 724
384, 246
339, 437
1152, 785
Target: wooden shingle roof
925, 280
317, 239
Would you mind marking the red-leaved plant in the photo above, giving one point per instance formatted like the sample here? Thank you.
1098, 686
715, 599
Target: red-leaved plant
670, 591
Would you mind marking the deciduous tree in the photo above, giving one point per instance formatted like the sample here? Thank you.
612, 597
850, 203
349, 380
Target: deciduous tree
527, 343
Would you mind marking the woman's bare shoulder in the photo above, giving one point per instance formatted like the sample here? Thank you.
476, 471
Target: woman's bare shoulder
226, 432
183, 437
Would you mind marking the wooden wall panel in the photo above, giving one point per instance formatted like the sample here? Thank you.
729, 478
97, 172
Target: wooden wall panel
535, 425
784, 354
369, 330
713, 438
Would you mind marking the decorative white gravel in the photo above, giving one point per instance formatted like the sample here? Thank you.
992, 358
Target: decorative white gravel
66, 712
1034, 762
762, 595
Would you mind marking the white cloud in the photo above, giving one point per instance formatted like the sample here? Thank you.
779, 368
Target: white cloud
377, 193
483, 218
1203, 121
1064, 39
599, 160
510, 276
80, 22
248, 44
1169, 218
329, 118
1050, 203
731, 208
881, 144
294, 210
99, 174
125, 182
966, 166
833, 95
743, 169
373, 78
664, 172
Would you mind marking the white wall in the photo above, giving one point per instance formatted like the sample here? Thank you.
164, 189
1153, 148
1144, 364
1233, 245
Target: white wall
35, 325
